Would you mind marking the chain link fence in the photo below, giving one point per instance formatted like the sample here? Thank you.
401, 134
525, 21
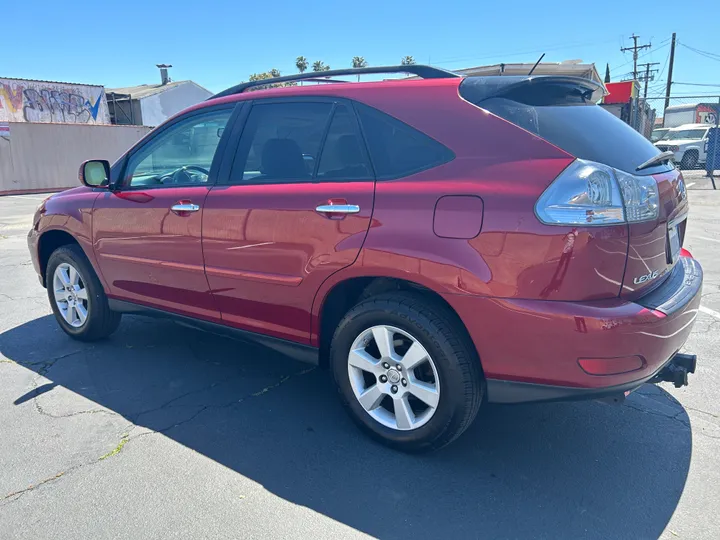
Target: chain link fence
683, 125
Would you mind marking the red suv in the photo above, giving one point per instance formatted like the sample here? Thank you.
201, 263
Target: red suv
438, 242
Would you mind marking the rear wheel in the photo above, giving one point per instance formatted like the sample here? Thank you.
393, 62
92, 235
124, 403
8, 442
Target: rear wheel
77, 297
689, 160
407, 375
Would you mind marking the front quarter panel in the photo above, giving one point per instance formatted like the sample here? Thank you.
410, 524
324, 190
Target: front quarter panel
70, 211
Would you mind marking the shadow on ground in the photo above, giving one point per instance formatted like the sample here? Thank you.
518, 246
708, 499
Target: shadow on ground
554, 470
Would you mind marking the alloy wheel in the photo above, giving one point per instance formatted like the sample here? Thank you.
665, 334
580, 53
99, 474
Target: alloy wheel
70, 293
393, 378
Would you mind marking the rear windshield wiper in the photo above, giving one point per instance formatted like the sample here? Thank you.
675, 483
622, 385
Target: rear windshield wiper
664, 156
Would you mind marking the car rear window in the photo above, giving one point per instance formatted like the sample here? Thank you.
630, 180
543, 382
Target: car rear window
396, 149
570, 121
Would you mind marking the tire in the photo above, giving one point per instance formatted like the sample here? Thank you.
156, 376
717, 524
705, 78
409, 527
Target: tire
453, 369
68, 304
689, 160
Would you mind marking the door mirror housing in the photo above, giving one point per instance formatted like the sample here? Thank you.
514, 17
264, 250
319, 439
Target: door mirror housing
95, 173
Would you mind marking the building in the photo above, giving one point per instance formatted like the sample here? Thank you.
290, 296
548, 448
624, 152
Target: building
152, 104
52, 102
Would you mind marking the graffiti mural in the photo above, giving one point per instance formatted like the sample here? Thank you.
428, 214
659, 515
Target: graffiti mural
50, 102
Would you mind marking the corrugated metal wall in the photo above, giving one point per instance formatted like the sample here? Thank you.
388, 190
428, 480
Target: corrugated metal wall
38, 157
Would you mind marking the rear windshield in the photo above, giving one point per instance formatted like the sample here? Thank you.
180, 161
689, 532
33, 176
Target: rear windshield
579, 127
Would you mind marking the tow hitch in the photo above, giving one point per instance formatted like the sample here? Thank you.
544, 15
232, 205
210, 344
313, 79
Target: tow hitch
676, 371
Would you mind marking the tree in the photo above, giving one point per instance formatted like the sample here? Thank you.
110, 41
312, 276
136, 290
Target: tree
607, 73
359, 62
407, 61
319, 65
301, 64
269, 75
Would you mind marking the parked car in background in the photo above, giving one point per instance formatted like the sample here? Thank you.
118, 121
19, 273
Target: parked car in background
658, 133
436, 243
688, 143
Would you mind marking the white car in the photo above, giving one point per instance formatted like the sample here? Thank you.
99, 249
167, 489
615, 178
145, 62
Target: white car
688, 143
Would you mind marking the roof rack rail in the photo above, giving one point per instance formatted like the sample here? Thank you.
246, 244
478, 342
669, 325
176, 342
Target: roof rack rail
425, 72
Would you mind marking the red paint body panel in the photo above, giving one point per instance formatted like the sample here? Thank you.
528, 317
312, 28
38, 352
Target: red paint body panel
69, 211
540, 342
149, 254
268, 251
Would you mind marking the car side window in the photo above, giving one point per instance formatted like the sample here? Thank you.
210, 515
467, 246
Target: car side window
397, 149
343, 154
280, 142
181, 155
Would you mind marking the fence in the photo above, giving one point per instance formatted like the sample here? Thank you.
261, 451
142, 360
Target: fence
46, 157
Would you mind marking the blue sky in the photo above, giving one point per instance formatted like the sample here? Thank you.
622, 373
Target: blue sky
219, 43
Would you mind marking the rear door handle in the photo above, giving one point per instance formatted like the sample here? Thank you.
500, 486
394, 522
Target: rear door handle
182, 208
338, 209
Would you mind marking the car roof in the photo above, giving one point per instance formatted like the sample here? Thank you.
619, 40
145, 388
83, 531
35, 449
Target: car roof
332, 89
691, 126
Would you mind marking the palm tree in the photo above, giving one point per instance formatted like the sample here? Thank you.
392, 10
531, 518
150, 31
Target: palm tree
319, 65
359, 62
301, 64
407, 61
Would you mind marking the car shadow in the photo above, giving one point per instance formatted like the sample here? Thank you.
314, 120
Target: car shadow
564, 470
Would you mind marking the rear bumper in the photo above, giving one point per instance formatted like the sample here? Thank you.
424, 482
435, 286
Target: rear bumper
531, 350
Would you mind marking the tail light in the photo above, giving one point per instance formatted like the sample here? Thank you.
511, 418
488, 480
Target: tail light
589, 193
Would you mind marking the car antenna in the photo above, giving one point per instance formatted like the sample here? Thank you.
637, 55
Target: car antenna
536, 64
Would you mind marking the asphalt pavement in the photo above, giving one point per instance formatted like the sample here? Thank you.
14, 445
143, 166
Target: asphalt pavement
166, 432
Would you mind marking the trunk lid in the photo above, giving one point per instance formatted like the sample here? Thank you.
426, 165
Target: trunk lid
654, 246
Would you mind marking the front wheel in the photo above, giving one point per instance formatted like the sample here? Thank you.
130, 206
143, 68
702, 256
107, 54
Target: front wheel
77, 297
407, 373
689, 160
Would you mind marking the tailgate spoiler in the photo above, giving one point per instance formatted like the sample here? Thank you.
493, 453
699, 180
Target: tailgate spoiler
531, 89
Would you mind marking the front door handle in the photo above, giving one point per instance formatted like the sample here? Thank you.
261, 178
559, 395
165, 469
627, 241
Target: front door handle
184, 208
338, 209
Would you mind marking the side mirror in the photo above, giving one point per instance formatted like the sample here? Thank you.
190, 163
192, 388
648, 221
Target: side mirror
95, 173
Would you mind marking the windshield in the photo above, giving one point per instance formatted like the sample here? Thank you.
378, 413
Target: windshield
684, 134
658, 134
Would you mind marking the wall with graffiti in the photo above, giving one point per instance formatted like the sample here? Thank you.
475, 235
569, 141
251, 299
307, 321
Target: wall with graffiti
50, 102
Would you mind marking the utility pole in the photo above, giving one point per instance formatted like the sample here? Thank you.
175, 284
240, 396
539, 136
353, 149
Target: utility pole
670, 71
635, 48
649, 75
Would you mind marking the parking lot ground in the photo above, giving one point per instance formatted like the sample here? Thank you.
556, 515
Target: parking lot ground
166, 432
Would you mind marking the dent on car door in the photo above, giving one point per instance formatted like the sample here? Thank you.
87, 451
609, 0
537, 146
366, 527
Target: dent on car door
147, 231
295, 209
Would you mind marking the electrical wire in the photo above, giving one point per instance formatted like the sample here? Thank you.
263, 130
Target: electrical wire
711, 56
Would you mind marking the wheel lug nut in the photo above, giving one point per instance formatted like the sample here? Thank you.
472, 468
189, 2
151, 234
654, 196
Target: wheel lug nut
393, 389
383, 378
404, 382
386, 365
398, 367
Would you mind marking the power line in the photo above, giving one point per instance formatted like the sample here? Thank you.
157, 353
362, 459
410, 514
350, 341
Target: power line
697, 84
705, 54
700, 51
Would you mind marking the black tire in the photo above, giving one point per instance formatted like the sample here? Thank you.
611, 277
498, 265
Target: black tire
439, 330
689, 160
101, 321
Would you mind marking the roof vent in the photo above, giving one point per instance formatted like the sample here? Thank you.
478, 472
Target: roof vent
164, 73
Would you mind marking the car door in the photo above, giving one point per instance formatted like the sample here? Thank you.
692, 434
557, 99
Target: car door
147, 231
294, 209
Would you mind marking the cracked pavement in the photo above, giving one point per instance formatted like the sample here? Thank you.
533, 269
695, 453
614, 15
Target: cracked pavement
162, 431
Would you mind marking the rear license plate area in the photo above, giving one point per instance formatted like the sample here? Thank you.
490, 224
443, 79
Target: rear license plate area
674, 241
